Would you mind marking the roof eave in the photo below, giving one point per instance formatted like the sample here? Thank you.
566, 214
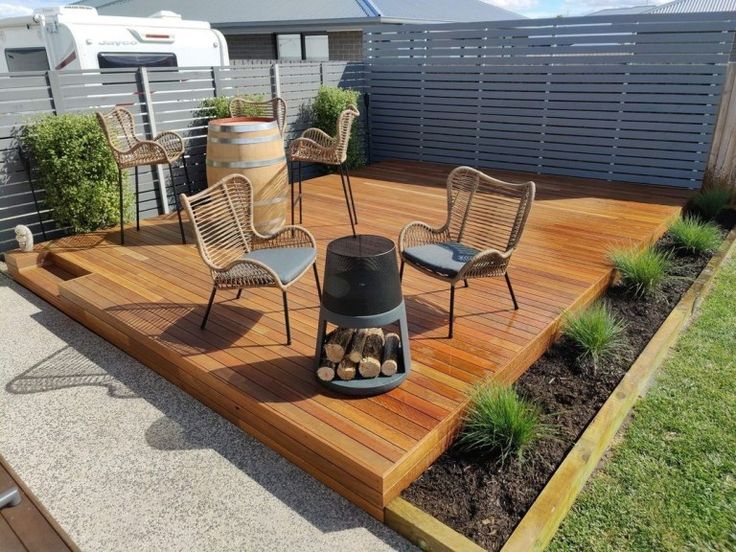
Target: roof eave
325, 24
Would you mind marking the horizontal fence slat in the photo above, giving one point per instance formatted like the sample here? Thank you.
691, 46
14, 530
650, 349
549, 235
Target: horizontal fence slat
631, 98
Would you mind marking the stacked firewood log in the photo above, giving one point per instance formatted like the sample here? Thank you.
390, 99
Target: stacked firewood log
364, 353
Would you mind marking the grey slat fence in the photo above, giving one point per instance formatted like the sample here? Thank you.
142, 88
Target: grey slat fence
630, 98
161, 99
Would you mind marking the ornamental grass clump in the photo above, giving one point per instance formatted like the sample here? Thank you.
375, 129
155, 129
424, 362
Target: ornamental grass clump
694, 235
641, 270
596, 331
501, 424
708, 203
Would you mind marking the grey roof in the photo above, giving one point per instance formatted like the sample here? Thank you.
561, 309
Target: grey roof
678, 6
689, 6
279, 13
628, 10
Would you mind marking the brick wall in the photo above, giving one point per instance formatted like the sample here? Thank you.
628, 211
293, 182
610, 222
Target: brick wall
251, 46
346, 45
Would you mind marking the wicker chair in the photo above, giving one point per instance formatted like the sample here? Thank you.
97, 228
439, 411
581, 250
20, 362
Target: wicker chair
485, 219
275, 108
130, 151
315, 146
237, 255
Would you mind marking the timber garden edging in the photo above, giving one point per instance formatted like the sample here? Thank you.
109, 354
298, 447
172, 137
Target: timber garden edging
540, 523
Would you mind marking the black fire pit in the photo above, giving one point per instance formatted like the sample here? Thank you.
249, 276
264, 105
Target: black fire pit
362, 289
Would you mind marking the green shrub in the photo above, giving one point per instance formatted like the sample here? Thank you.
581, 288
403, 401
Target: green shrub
214, 108
500, 423
219, 107
641, 270
694, 235
708, 203
595, 330
77, 170
328, 105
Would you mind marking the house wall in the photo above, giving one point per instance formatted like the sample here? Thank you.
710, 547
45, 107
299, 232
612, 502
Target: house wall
344, 46
251, 46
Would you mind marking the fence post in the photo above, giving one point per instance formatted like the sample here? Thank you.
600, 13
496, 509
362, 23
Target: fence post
52, 77
276, 80
216, 84
145, 89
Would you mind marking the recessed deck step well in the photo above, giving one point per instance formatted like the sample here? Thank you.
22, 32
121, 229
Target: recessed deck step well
149, 296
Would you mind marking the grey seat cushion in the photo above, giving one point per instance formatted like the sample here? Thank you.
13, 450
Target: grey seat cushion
446, 258
286, 262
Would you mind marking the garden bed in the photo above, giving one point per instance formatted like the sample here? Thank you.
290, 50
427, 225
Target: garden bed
485, 501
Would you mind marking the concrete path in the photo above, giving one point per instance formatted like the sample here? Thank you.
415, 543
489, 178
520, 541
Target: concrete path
124, 460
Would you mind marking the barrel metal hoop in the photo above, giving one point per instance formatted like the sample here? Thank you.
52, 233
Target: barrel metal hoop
256, 140
244, 164
249, 127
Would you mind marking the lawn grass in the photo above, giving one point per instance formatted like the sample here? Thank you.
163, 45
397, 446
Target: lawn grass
670, 483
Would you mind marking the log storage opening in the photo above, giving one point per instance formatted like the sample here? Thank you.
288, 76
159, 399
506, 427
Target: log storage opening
366, 353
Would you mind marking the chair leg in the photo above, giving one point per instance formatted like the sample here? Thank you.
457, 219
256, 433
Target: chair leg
347, 194
316, 280
137, 202
292, 179
190, 190
122, 221
401, 271
301, 197
176, 203
452, 310
209, 307
511, 291
286, 318
350, 191
347, 198
466, 283
240, 292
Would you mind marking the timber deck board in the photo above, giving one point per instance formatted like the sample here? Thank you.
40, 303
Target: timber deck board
28, 527
148, 298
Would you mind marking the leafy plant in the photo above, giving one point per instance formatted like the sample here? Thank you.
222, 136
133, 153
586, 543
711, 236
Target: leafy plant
499, 422
641, 270
219, 107
708, 203
77, 170
595, 330
330, 102
694, 235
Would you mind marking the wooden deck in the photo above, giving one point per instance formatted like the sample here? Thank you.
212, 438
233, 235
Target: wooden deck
28, 527
148, 299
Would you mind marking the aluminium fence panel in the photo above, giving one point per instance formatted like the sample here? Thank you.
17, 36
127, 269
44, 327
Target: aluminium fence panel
176, 96
632, 98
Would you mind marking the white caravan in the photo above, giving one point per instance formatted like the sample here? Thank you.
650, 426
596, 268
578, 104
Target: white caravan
76, 37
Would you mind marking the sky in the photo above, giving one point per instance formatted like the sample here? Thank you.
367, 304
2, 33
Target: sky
529, 8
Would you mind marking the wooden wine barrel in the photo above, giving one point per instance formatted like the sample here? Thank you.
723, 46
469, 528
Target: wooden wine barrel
254, 148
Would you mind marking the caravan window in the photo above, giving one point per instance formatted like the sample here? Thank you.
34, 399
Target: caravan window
26, 59
122, 59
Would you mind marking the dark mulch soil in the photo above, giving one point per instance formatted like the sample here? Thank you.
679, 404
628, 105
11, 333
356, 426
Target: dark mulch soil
484, 501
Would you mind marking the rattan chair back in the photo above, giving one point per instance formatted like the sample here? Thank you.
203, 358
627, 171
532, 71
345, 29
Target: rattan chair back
222, 219
119, 128
344, 126
484, 212
274, 108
